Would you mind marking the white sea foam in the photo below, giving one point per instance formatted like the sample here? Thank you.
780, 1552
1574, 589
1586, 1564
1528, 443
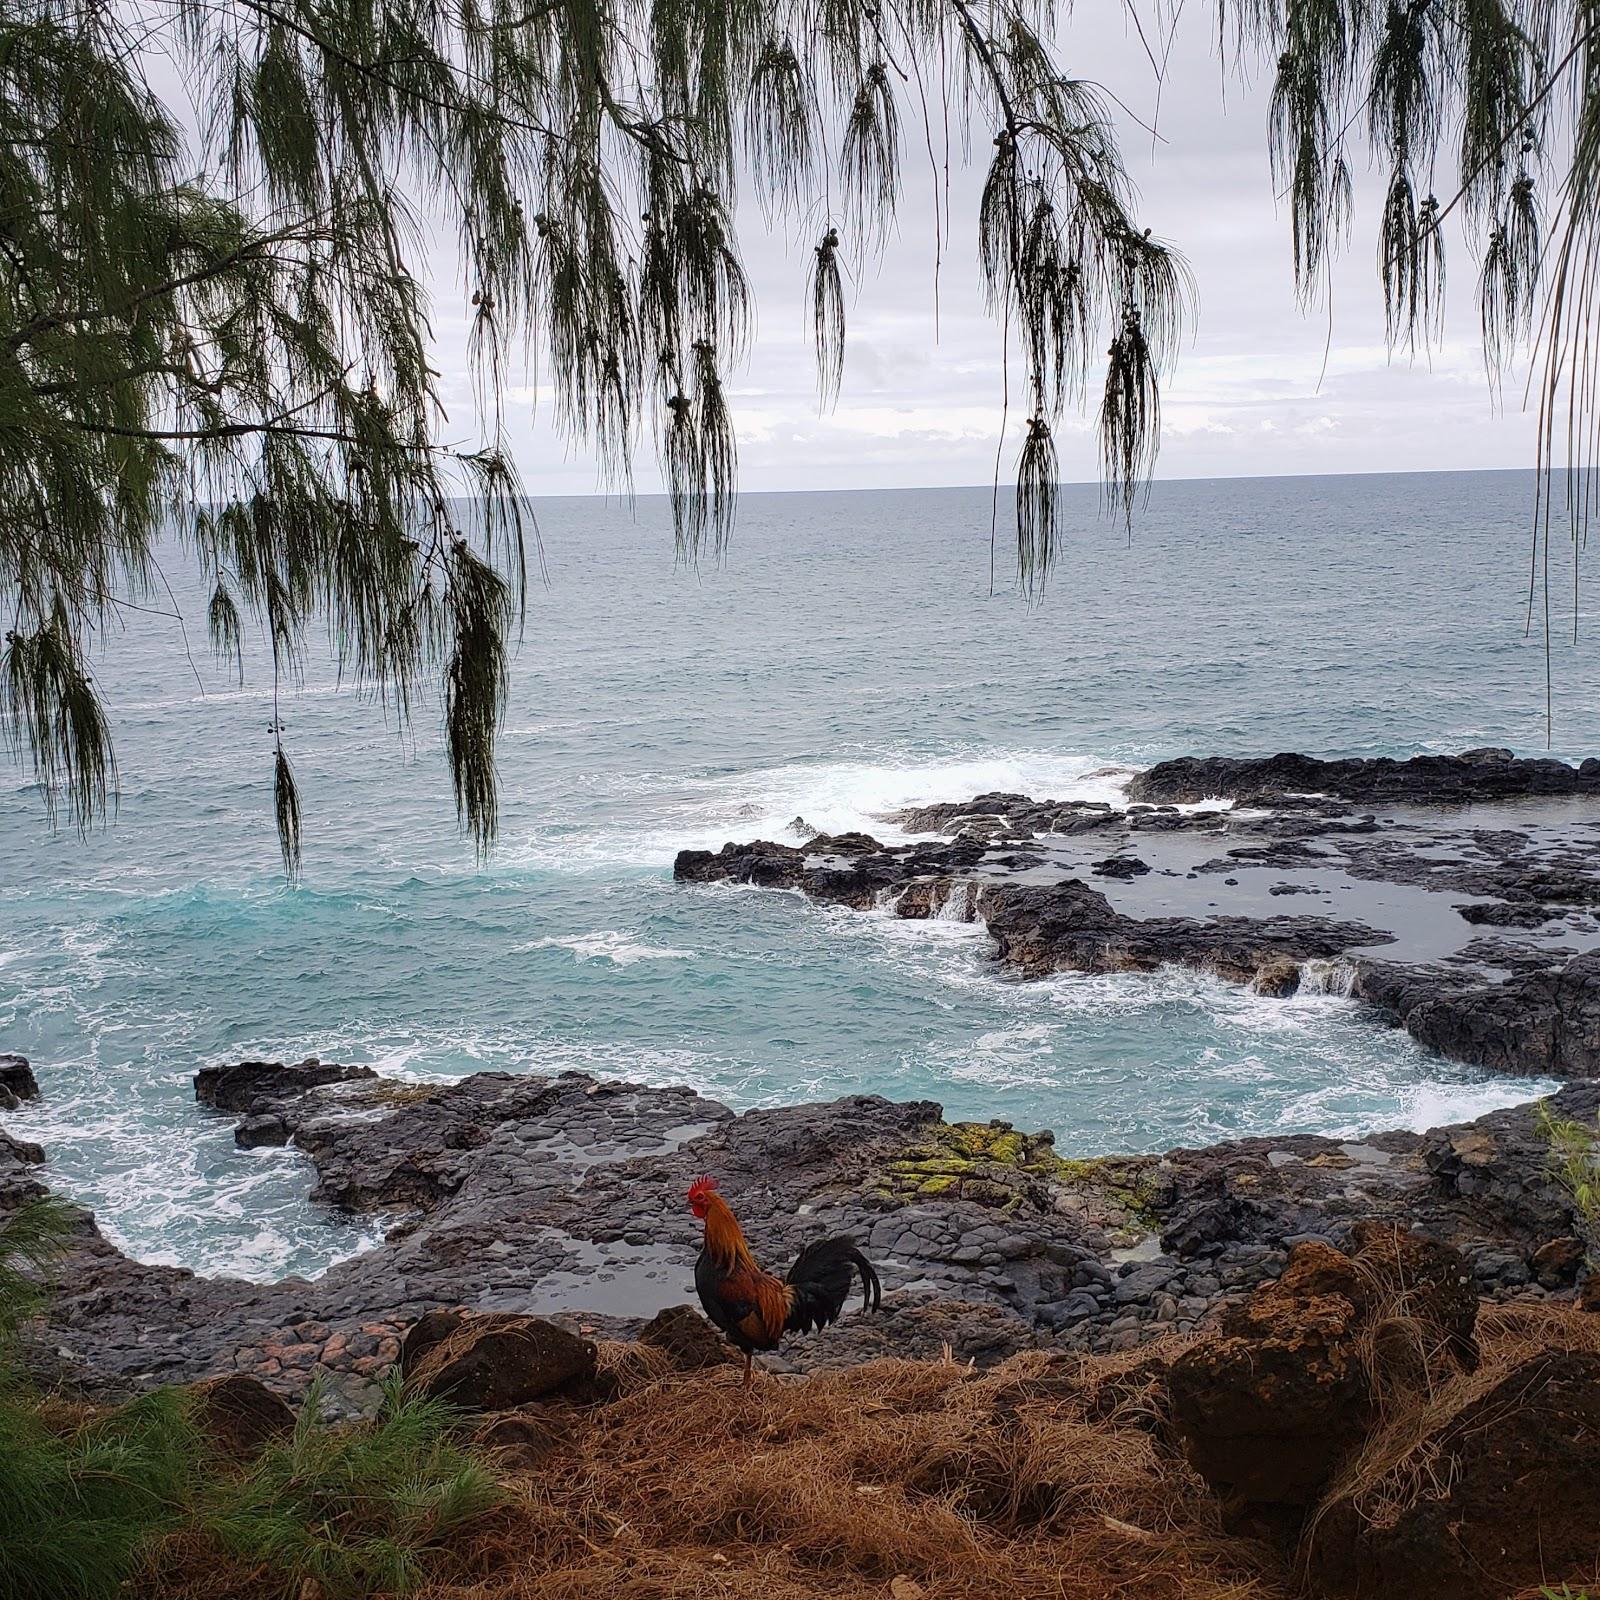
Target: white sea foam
171, 1191
620, 949
696, 811
1437, 1105
839, 797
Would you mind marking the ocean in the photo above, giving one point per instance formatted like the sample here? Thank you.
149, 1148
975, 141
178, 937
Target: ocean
847, 658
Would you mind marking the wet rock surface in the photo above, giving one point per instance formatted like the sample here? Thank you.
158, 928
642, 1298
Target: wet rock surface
1422, 780
256, 1086
1466, 911
20, 1162
563, 1198
17, 1082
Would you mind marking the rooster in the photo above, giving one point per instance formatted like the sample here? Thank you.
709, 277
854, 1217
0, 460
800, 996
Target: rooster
754, 1309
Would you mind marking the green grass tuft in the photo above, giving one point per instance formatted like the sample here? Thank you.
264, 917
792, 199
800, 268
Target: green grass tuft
31, 1237
359, 1510
87, 1505
79, 1511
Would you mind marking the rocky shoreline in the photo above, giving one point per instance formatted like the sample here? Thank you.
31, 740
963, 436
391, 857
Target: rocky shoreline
563, 1196
1299, 1329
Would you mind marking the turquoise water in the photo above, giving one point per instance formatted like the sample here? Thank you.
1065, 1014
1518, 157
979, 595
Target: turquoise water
848, 658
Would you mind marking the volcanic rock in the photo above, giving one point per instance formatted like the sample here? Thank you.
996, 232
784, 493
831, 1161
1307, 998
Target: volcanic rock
18, 1180
18, 1152
429, 1330
496, 1361
1269, 1404
774, 866
564, 1196
685, 1336
267, 1129
1422, 780
1520, 1000
1120, 867
239, 1414
1069, 927
1419, 1296
1498, 1495
257, 1085
17, 1079
1556, 1263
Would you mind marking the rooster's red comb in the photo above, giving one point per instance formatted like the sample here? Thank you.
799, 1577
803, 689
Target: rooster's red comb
701, 1187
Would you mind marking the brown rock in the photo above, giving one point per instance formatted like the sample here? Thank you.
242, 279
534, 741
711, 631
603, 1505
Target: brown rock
240, 1413
1420, 1298
496, 1361
1474, 1146
1267, 1406
687, 1338
1501, 1497
1556, 1262
1314, 1268
1278, 977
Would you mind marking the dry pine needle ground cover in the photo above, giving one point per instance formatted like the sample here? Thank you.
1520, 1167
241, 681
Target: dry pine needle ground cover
1048, 1478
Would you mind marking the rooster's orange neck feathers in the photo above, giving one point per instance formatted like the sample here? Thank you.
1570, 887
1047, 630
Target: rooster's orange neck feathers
725, 1241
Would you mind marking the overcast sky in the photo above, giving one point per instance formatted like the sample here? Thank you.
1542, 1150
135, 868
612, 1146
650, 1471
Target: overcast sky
1248, 395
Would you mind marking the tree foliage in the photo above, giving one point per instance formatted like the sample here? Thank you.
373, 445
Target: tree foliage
221, 329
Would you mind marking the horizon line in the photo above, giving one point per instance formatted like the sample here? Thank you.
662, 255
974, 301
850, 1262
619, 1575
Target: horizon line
623, 496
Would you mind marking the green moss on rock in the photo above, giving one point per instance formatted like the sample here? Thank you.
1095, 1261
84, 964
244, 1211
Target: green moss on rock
994, 1164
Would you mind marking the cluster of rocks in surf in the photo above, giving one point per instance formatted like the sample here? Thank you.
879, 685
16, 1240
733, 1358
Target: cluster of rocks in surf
508, 1200
1511, 898
20, 1159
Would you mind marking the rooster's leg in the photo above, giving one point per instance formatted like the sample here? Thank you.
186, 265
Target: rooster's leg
749, 1370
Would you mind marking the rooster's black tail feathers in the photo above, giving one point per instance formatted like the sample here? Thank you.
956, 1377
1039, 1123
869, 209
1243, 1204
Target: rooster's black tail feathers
822, 1278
